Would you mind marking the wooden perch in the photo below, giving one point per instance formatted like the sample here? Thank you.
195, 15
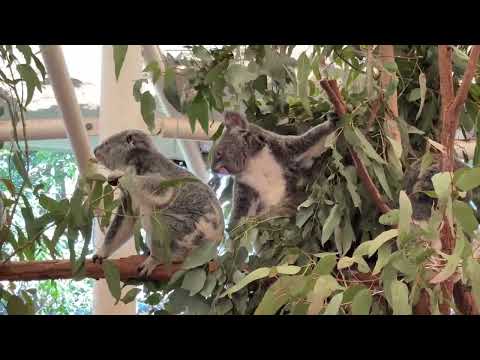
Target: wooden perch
61, 269
333, 92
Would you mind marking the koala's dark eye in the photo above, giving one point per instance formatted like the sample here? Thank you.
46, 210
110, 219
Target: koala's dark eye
129, 139
261, 138
218, 154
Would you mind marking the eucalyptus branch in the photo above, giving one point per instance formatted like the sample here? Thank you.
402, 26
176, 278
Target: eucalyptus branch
333, 92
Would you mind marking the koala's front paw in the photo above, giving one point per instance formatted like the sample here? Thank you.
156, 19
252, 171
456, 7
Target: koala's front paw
147, 267
97, 258
333, 117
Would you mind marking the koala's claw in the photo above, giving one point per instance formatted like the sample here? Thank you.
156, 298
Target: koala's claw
147, 267
96, 258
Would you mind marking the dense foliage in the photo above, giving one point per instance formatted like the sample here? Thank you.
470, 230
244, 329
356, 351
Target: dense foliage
339, 255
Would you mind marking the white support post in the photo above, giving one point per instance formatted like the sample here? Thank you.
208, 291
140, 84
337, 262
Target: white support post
65, 94
190, 150
118, 111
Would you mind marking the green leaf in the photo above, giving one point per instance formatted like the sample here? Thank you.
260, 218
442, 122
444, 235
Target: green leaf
257, 274
391, 88
275, 297
288, 269
119, 53
345, 262
390, 218
147, 108
31, 79
16, 306
325, 265
362, 302
303, 215
218, 133
303, 70
154, 69
237, 75
465, 216
400, 304
200, 255
198, 110
391, 67
472, 269
334, 305
209, 285
448, 270
442, 184
468, 179
380, 173
170, 88
131, 295
381, 239
325, 285
351, 292
383, 258
194, 280
20, 166
414, 95
405, 216
40, 66
422, 80
332, 221
367, 147
112, 276
161, 237
137, 86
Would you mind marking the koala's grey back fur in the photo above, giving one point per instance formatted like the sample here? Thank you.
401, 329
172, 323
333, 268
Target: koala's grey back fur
192, 211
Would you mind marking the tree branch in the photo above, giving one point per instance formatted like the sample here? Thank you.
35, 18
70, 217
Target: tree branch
451, 106
333, 92
470, 71
61, 269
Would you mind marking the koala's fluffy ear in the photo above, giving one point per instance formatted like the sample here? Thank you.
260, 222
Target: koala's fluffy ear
234, 119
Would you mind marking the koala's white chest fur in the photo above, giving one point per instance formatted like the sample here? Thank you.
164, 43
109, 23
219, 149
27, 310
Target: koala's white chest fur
264, 174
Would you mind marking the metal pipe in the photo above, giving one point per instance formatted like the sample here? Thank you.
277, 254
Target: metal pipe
54, 128
67, 101
190, 151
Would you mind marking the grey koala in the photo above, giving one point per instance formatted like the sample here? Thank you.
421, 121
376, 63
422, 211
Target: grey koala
191, 212
270, 170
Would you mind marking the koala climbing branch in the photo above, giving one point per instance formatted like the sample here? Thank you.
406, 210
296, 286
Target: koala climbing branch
333, 92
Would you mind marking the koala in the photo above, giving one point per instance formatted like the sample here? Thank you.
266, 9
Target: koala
270, 170
415, 183
191, 212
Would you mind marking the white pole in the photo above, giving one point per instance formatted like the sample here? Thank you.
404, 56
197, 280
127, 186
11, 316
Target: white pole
190, 150
67, 101
118, 111
54, 128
